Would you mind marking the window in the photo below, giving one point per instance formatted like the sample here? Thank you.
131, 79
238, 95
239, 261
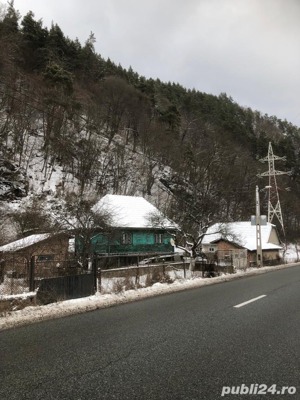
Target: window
45, 257
158, 238
126, 238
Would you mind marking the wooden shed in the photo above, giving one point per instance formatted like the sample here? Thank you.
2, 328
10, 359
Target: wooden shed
47, 249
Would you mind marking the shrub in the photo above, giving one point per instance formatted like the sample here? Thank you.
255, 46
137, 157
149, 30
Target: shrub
166, 278
157, 277
128, 283
118, 286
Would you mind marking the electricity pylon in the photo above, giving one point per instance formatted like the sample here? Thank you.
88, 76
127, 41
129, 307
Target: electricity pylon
274, 207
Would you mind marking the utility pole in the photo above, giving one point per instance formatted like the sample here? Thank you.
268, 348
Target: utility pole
259, 257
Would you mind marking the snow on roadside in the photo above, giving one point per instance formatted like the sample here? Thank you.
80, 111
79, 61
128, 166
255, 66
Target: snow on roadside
292, 253
60, 309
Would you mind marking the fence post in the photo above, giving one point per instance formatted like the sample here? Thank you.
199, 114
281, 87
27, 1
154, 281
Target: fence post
31, 274
137, 276
184, 271
100, 280
95, 273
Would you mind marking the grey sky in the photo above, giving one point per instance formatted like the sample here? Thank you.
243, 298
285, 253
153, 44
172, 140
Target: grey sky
246, 48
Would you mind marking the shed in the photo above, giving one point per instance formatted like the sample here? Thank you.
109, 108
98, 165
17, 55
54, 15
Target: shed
44, 247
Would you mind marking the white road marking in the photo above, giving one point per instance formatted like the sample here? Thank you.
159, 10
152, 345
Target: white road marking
250, 301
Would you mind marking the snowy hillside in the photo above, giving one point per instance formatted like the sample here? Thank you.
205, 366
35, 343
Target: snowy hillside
115, 169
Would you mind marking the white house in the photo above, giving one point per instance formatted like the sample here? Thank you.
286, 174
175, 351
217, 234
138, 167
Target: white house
232, 238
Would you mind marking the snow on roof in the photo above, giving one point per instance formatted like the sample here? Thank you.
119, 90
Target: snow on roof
242, 233
132, 212
25, 242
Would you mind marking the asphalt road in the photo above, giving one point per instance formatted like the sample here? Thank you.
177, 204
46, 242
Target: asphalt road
186, 345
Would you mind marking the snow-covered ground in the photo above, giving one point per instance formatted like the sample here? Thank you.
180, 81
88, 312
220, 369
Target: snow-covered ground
292, 253
64, 308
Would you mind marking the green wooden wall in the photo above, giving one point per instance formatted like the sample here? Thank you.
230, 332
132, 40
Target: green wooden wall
142, 241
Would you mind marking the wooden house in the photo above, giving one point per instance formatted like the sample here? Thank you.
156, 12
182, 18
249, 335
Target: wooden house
137, 227
237, 241
48, 251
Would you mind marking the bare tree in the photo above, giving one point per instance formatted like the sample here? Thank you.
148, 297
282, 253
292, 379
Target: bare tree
78, 215
7, 231
189, 241
31, 218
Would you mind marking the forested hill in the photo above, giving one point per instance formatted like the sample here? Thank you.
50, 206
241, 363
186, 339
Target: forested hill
63, 108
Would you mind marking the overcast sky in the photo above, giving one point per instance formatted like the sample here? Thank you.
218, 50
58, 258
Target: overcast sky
249, 49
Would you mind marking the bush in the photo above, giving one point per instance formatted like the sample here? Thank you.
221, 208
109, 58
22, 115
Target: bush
128, 283
118, 286
167, 279
157, 277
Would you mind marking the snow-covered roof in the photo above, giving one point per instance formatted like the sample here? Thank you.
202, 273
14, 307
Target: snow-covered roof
241, 233
133, 212
25, 242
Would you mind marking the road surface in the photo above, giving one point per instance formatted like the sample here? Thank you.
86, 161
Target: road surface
186, 345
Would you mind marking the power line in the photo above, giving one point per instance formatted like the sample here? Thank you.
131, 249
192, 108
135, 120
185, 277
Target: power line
274, 206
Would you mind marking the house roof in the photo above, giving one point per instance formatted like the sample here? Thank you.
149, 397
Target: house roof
25, 242
241, 233
133, 212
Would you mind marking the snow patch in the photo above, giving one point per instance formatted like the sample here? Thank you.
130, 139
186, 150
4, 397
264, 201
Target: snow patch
69, 307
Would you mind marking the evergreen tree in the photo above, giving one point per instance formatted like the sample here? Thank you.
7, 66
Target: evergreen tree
10, 23
34, 42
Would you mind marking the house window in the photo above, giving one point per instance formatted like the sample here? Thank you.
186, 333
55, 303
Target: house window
158, 238
126, 238
45, 257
